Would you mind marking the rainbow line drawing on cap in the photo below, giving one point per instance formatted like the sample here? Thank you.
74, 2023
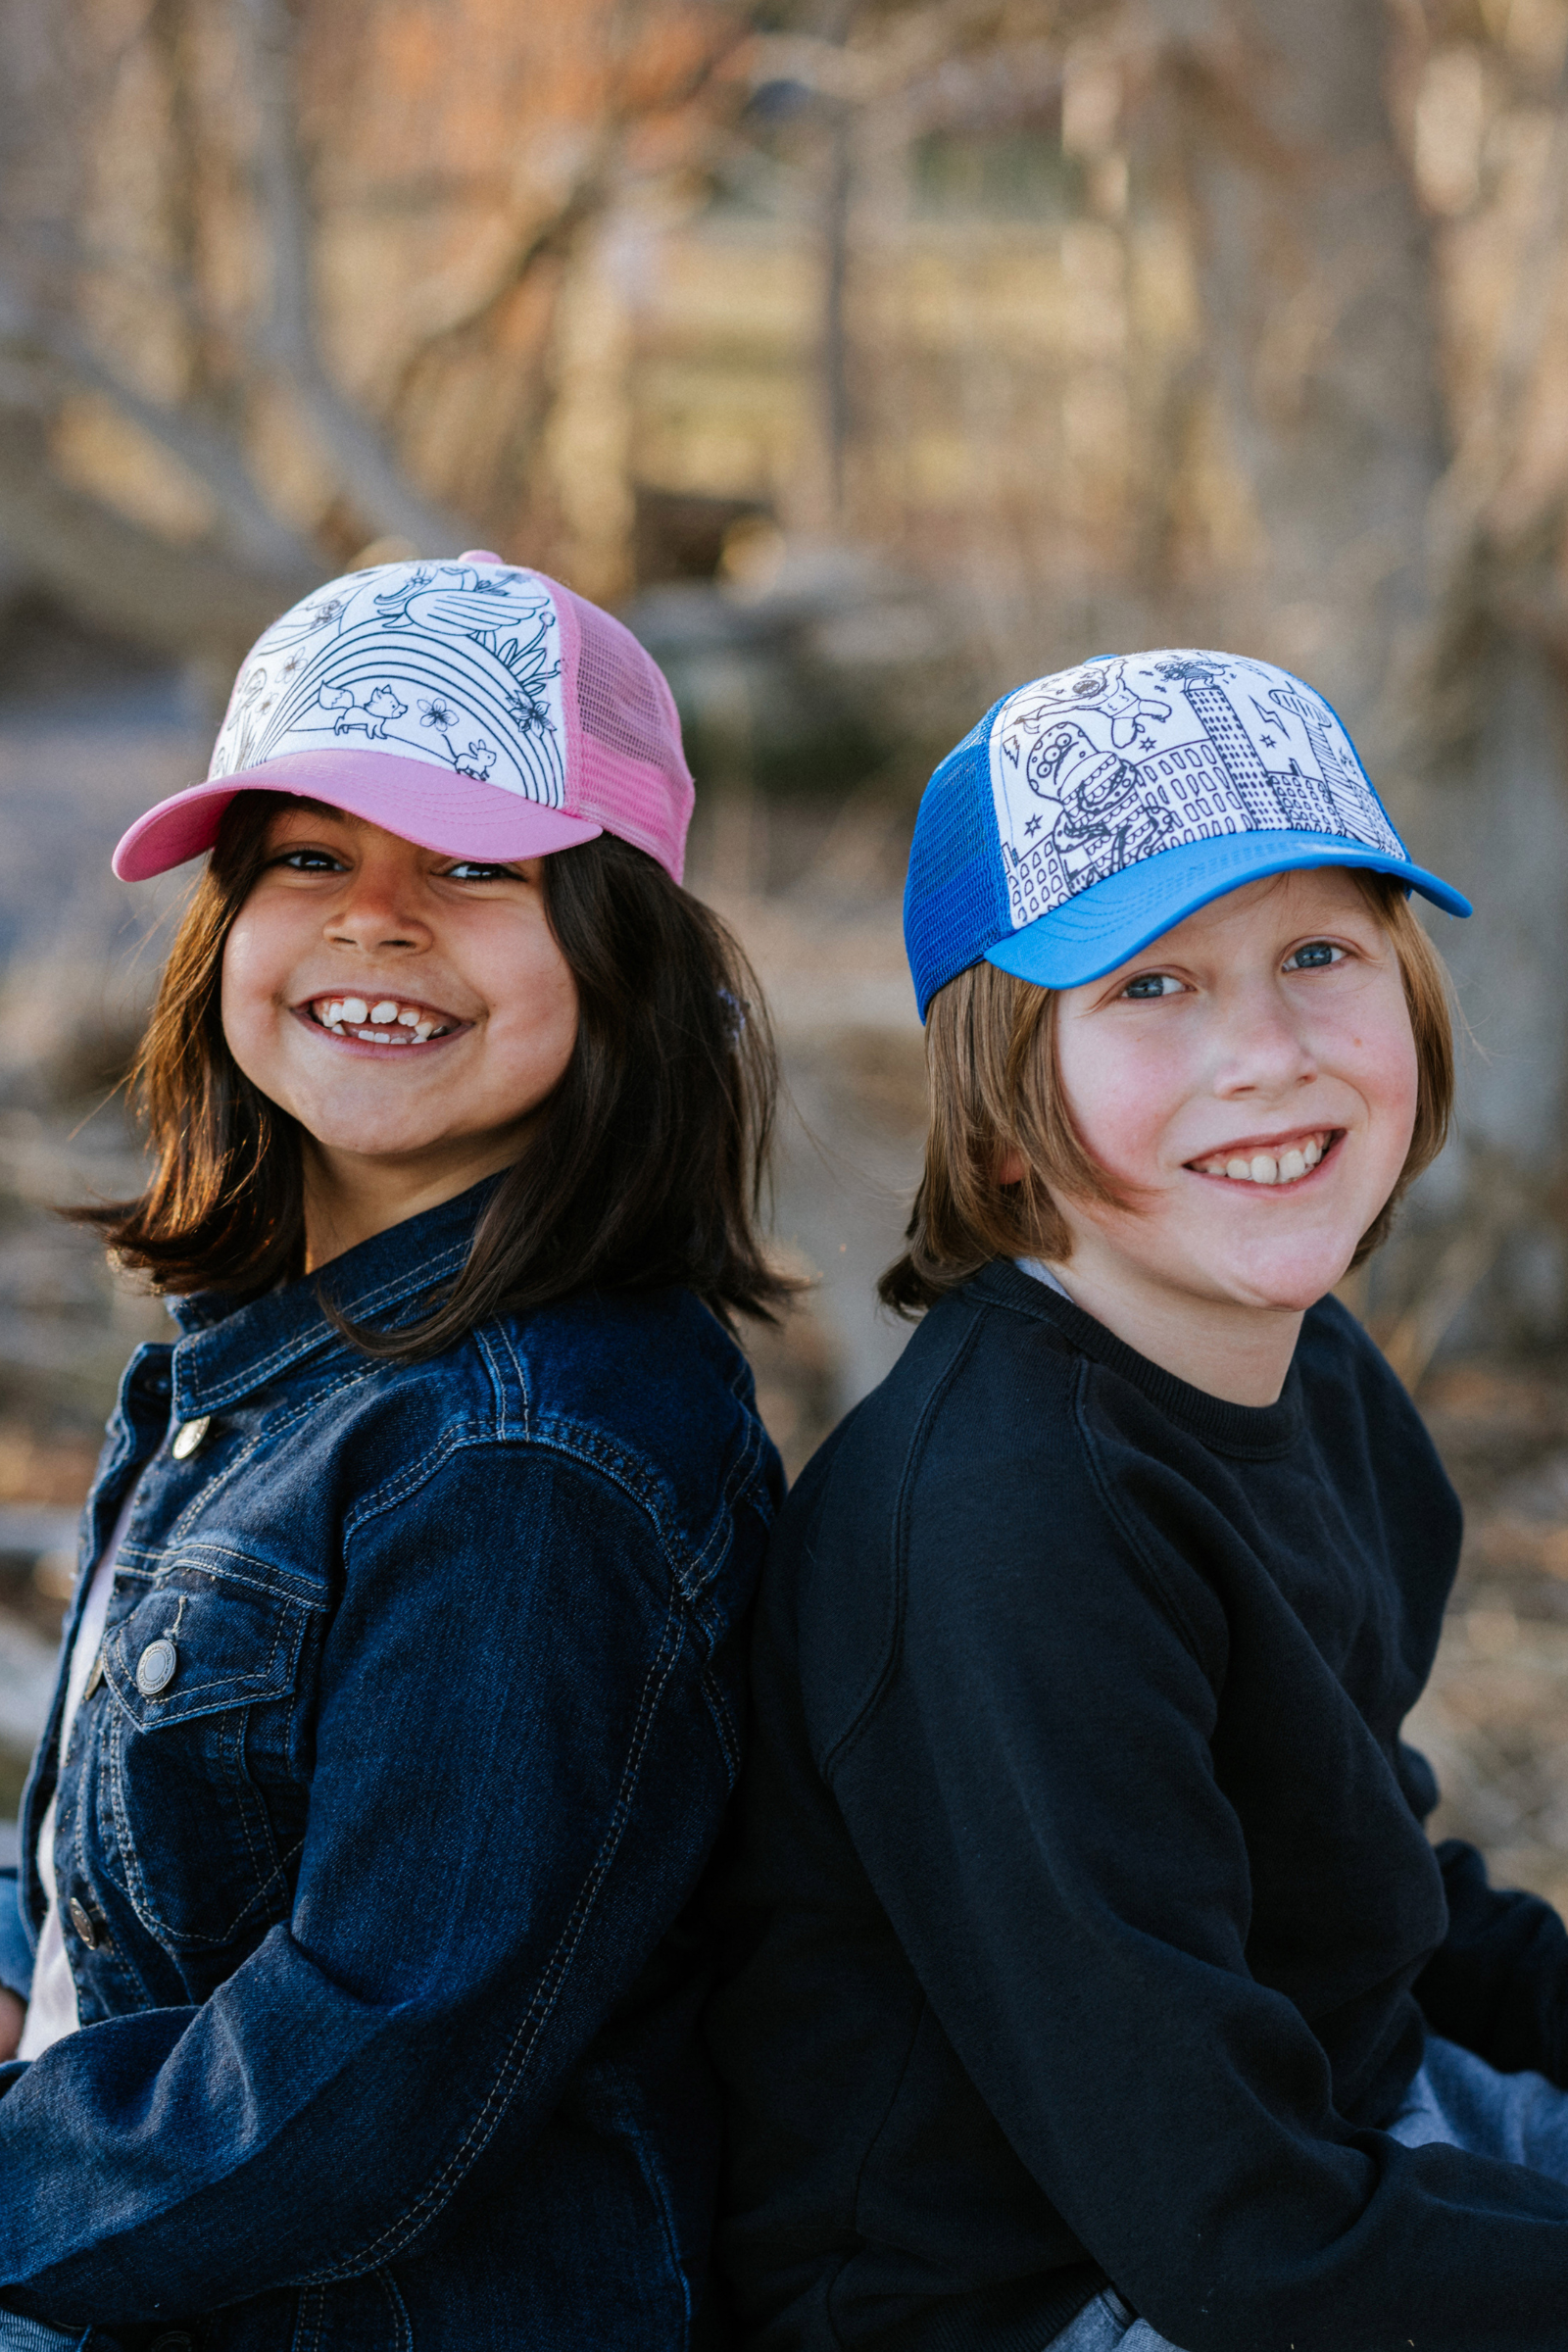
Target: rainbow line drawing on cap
485, 643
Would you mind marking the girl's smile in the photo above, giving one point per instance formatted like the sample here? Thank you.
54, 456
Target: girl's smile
411, 1010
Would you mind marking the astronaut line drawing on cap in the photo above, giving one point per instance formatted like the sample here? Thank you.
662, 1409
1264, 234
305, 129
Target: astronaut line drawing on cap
1095, 809
1115, 771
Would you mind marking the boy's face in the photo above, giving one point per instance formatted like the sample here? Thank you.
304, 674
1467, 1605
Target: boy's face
1251, 1081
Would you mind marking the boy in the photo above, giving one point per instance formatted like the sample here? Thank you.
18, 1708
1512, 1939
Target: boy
1093, 1982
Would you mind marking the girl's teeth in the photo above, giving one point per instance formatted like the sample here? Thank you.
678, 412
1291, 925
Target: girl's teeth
1292, 1165
1239, 1167
1265, 1169
1312, 1153
407, 1018
354, 1008
422, 1029
387, 1010
394, 1025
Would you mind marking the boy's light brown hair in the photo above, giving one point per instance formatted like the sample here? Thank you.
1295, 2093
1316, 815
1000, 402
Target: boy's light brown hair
995, 1089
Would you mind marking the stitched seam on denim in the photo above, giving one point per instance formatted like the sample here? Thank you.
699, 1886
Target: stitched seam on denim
391, 1294
259, 1683
261, 1438
840, 1748
303, 2343
400, 2310
723, 1723
277, 1584
459, 1435
497, 1381
504, 1327
552, 1980
1169, 1605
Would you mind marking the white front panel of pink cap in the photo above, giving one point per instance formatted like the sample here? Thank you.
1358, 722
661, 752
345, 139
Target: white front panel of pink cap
1098, 767
457, 665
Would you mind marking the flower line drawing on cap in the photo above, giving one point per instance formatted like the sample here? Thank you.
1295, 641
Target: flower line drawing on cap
1095, 770
320, 672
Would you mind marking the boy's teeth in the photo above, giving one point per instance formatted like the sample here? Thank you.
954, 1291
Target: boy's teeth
1264, 1168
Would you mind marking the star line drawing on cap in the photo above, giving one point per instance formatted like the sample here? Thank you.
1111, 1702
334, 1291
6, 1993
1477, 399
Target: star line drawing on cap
484, 641
1094, 769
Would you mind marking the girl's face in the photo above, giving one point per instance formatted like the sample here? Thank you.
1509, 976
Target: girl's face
412, 1010
1251, 1081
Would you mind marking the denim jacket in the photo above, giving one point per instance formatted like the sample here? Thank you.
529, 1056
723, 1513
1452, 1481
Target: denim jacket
375, 1902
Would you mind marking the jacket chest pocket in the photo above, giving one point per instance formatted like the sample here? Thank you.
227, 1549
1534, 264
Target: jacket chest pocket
199, 1801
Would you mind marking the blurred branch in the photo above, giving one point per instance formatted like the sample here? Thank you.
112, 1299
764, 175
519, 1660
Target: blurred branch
381, 495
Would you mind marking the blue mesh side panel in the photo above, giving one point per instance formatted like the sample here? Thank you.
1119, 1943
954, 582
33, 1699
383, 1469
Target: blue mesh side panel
956, 898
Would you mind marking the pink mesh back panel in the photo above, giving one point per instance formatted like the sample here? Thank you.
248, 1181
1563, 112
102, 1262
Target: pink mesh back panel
632, 778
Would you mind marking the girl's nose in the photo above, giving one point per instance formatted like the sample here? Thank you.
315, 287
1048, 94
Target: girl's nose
376, 911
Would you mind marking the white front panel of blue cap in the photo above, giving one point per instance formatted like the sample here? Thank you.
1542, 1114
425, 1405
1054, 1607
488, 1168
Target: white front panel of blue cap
1095, 768
457, 665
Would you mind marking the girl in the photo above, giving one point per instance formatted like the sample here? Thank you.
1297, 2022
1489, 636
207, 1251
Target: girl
1095, 1984
400, 1695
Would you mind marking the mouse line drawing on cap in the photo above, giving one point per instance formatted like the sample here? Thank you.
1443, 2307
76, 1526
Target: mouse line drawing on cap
484, 641
1095, 770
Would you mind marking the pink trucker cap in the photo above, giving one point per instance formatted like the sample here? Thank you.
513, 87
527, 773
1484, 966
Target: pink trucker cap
468, 704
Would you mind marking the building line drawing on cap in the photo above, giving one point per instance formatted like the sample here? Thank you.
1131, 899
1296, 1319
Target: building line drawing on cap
1097, 770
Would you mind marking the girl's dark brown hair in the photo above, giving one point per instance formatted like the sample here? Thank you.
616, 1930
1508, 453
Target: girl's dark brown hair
996, 1090
646, 1166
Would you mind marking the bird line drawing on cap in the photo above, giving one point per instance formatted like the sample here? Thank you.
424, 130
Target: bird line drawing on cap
1095, 770
485, 645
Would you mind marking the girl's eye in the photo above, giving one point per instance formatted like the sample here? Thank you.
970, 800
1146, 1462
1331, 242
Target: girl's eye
310, 862
471, 871
1152, 984
1316, 956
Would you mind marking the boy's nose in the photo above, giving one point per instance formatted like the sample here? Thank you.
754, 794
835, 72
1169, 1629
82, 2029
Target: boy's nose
1262, 1050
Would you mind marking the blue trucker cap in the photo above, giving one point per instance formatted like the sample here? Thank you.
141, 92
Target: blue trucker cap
1093, 810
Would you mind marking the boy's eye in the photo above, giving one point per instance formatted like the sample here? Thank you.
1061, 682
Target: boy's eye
1152, 984
1314, 957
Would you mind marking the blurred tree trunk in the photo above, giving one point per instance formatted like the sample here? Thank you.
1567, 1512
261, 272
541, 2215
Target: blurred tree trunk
1375, 576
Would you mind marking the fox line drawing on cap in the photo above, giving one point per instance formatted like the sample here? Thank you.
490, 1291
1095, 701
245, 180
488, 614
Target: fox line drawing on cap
475, 707
1093, 810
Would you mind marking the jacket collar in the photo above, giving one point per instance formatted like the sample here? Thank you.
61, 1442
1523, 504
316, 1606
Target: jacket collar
229, 1350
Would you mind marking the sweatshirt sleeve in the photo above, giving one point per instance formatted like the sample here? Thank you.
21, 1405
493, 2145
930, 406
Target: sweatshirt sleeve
1498, 1982
1032, 1790
488, 1864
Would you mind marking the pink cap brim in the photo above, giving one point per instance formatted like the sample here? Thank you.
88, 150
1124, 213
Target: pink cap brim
455, 815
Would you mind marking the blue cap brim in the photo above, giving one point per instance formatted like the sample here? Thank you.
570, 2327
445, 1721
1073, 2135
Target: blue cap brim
1098, 929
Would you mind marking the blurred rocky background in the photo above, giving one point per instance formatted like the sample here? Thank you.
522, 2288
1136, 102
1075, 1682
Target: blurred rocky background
868, 358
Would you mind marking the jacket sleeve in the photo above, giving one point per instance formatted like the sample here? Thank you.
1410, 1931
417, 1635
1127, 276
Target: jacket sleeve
1032, 1790
509, 1808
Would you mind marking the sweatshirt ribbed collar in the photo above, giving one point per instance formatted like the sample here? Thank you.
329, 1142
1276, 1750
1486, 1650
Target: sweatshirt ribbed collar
1253, 1431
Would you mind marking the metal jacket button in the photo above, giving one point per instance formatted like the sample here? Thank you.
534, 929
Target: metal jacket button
155, 1668
82, 1921
189, 1436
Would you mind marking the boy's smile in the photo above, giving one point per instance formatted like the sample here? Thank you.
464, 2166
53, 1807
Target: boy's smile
411, 1010
1248, 1082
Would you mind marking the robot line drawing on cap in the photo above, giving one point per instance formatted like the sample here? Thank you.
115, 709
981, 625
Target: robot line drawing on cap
458, 665
1097, 770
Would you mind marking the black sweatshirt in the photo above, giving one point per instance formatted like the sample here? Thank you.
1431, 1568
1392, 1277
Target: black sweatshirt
1083, 1919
